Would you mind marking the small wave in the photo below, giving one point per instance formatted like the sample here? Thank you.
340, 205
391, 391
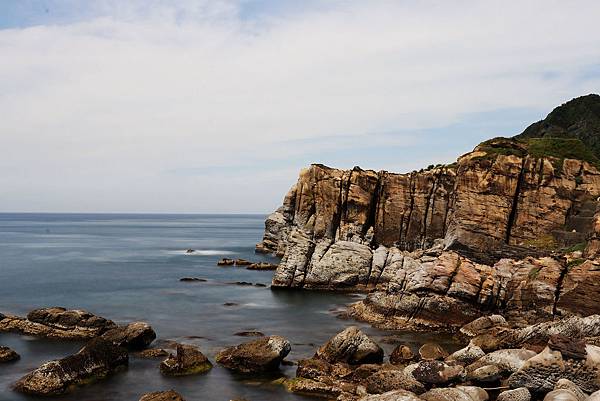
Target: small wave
202, 252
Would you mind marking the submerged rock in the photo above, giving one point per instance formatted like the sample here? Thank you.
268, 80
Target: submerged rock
402, 354
261, 355
134, 336
8, 355
97, 359
187, 361
351, 346
169, 395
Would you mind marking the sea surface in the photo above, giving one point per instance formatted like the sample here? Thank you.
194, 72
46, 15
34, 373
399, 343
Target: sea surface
126, 267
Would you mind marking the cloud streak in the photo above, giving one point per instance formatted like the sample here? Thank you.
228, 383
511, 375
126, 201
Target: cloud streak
101, 104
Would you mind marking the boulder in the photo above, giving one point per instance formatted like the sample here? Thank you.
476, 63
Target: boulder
437, 372
351, 346
242, 262
561, 395
467, 355
482, 324
432, 351
97, 359
169, 395
8, 355
263, 354
134, 336
395, 395
402, 354
262, 266
387, 380
188, 361
226, 262
518, 394
486, 374
565, 384
459, 393
541, 373
152, 353
507, 360
58, 323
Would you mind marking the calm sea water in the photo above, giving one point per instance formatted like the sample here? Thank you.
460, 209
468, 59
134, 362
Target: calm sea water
127, 267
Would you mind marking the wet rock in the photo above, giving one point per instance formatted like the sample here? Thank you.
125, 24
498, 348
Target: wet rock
402, 354
351, 346
134, 336
242, 262
467, 355
262, 266
541, 373
57, 323
152, 353
386, 380
226, 262
432, 351
263, 354
244, 283
437, 372
8, 355
249, 334
460, 393
518, 394
94, 361
192, 279
395, 395
230, 304
190, 250
169, 395
187, 361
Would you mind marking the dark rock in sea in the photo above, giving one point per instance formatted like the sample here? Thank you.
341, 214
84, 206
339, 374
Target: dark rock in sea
261, 355
249, 334
259, 285
169, 395
193, 279
242, 262
134, 336
57, 323
97, 359
188, 361
8, 355
152, 353
190, 251
226, 262
230, 304
351, 346
241, 283
262, 266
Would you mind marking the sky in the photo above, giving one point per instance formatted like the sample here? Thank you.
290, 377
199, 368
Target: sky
157, 106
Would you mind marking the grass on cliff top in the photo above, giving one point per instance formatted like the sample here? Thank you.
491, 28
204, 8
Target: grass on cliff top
562, 148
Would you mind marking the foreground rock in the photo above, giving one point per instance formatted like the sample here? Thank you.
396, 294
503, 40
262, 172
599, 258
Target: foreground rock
187, 361
134, 336
97, 359
8, 355
169, 395
58, 323
261, 355
351, 346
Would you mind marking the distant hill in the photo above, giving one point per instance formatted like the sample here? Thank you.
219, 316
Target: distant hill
578, 118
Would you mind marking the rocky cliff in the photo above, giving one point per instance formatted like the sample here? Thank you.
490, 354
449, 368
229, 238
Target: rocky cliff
484, 233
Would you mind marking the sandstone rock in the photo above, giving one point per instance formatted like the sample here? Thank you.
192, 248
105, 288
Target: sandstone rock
8, 355
595, 396
518, 394
432, 351
486, 374
188, 360
388, 380
134, 336
263, 354
482, 324
226, 262
242, 262
565, 384
152, 353
460, 393
541, 373
569, 347
95, 360
351, 346
507, 360
467, 355
262, 266
402, 354
57, 323
169, 395
437, 372
395, 395
312, 388
560, 395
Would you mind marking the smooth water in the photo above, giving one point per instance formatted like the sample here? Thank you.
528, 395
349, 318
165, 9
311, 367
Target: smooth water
127, 268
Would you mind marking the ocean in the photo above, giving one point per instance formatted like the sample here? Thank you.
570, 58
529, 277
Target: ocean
126, 267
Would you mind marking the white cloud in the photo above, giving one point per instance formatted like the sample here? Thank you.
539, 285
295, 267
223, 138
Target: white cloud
96, 113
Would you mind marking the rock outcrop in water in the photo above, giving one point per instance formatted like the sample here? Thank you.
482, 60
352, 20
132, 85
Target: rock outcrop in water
446, 244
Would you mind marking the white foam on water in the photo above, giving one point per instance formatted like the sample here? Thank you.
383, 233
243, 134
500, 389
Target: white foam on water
202, 252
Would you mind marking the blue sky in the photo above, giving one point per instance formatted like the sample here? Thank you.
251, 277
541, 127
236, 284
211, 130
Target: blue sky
214, 106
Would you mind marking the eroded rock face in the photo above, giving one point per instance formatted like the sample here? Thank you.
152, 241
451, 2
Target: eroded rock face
57, 323
169, 395
264, 354
95, 360
188, 361
351, 346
